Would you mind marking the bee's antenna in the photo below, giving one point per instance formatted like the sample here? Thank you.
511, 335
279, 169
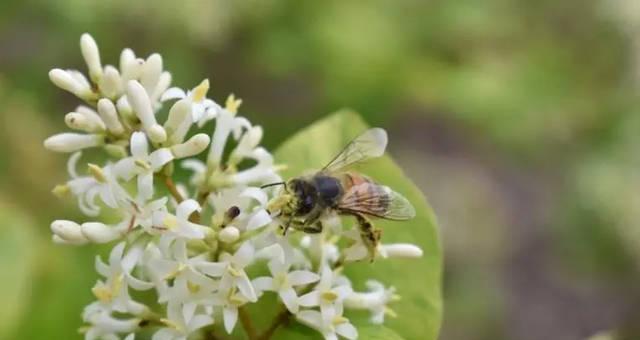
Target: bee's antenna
272, 184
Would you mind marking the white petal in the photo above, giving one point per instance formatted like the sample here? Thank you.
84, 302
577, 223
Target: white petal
326, 278
200, 321
263, 283
245, 287
139, 145
310, 299
164, 334
125, 168
188, 310
258, 220
290, 299
347, 330
310, 318
138, 284
116, 253
101, 267
145, 186
173, 93
328, 311
230, 315
159, 158
244, 256
186, 208
215, 269
301, 277
273, 252
257, 194
131, 258
342, 291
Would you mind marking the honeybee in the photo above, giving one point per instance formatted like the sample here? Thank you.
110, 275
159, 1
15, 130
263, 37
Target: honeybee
307, 200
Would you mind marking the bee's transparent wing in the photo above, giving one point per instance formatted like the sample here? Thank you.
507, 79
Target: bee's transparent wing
370, 144
376, 200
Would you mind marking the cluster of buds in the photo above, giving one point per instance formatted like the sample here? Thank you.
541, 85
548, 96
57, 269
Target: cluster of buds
190, 243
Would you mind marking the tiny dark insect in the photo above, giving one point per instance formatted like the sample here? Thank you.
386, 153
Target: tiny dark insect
306, 200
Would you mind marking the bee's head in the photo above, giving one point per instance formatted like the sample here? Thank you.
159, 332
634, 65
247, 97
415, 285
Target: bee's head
304, 195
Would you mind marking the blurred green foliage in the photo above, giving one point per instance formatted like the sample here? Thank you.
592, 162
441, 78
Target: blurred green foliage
517, 118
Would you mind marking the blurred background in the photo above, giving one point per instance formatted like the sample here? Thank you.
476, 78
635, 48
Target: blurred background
520, 121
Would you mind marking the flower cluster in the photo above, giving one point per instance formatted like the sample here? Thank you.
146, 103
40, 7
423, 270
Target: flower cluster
196, 245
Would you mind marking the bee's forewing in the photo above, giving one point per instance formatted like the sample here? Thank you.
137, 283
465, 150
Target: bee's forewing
370, 144
376, 200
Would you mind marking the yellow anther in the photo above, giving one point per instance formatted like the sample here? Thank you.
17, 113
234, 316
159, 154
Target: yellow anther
201, 91
193, 288
170, 221
143, 164
97, 173
338, 319
232, 104
390, 312
234, 272
102, 293
61, 190
170, 324
329, 296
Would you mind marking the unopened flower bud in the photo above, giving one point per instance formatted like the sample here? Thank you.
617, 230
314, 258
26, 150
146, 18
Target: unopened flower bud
163, 84
66, 81
78, 121
91, 56
71, 142
124, 109
110, 84
116, 150
139, 101
193, 146
130, 66
69, 231
229, 234
403, 250
151, 71
179, 116
109, 115
99, 232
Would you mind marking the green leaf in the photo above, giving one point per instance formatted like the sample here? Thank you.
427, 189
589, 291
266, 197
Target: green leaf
375, 332
418, 281
17, 261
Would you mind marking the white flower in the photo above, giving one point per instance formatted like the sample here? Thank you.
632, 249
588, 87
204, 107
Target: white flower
226, 123
178, 225
330, 328
262, 172
375, 300
229, 300
203, 109
140, 102
104, 325
327, 294
115, 290
142, 164
282, 282
179, 327
102, 183
191, 285
234, 274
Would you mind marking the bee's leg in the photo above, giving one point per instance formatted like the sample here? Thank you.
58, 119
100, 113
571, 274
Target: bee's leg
314, 228
285, 227
370, 235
